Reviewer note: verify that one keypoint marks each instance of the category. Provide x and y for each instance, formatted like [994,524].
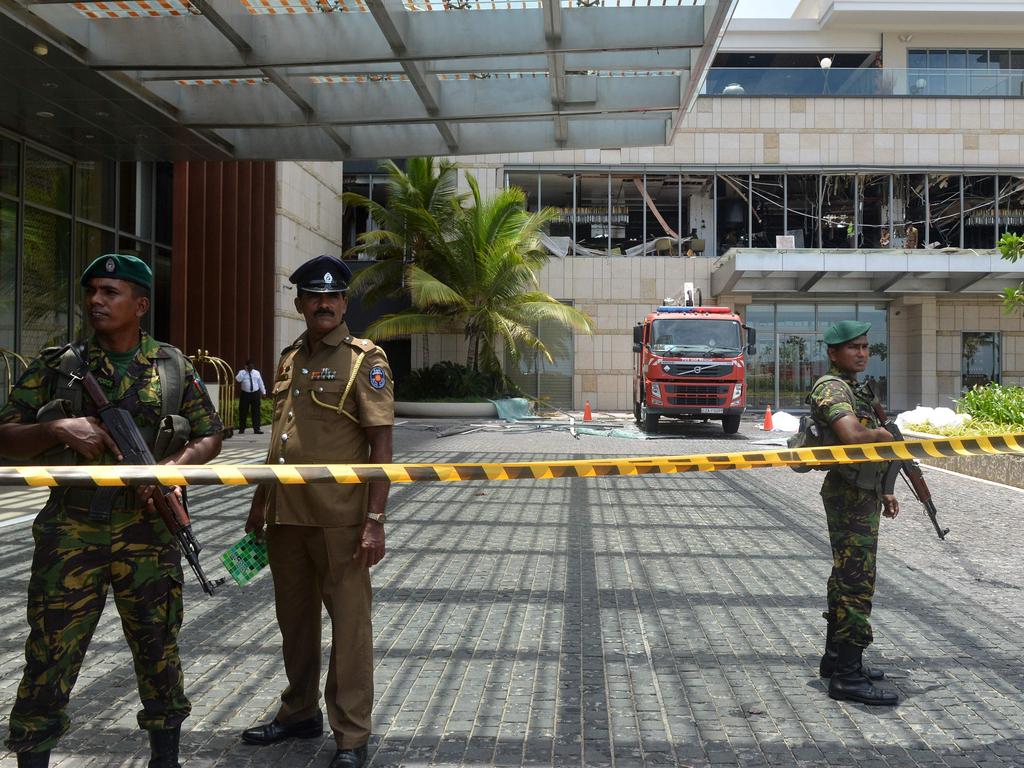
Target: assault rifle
[126,435]
[910,469]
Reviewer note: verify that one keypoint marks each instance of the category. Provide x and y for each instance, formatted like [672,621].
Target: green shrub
[971,428]
[452,381]
[994,403]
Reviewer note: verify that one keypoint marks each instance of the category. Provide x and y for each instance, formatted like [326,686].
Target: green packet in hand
[244,559]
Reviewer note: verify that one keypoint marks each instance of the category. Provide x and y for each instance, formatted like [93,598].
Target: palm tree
[482,283]
[418,216]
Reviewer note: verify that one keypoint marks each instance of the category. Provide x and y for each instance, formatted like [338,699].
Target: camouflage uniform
[77,559]
[853,504]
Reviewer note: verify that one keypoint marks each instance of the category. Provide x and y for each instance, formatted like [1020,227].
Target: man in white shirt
[250,387]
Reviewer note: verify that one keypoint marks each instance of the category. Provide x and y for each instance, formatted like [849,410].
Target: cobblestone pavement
[655,620]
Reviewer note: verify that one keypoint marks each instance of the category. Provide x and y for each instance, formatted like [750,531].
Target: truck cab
[690,363]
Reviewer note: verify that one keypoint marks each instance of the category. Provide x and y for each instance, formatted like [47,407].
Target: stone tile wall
[308,224]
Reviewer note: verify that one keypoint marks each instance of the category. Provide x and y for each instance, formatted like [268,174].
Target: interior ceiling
[347,79]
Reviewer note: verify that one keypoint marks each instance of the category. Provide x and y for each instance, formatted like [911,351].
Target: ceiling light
[90,136]
[49,85]
[40,49]
[101,113]
[45,114]
[825,63]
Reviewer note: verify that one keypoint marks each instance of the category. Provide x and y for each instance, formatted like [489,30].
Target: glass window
[943,227]
[804,210]
[549,381]
[768,203]
[136,199]
[1011,204]
[761,368]
[979,212]
[627,214]
[526,181]
[161,310]
[91,243]
[592,220]
[8,266]
[698,214]
[910,213]
[44,285]
[662,212]
[9,151]
[164,223]
[733,211]
[956,76]
[837,211]
[877,373]
[556,192]
[97,188]
[355,219]
[47,181]
[873,211]
[979,359]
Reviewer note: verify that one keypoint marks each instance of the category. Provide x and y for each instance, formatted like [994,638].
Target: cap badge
[328,278]
[110,266]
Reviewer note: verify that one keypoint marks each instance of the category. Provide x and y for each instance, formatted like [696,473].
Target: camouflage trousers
[853,515]
[76,560]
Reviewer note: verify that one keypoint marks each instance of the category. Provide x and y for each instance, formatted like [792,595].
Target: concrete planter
[428,410]
[1005,469]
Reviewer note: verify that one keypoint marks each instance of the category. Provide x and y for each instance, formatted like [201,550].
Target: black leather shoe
[848,682]
[41,759]
[828,667]
[273,732]
[163,747]
[241,431]
[349,758]
[831,656]
[257,431]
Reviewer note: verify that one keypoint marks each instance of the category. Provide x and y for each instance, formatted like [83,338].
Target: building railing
[864,82]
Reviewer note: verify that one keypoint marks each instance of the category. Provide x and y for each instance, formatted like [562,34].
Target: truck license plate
[712,410]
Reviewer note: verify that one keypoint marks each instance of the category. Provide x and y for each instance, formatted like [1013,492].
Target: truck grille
[697,394]
[704,370]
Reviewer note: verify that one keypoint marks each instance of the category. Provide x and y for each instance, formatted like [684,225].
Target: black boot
[34,759]
[163,747]
[829,658]
[848,682]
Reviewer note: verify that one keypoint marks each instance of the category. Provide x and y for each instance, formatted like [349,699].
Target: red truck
[690,363]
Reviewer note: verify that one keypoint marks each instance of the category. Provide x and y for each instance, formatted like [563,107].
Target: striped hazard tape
[301,474]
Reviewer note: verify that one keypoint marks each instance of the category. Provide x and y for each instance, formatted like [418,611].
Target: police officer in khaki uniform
[333,403]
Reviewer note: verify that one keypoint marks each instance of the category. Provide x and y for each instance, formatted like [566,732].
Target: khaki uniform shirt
[323,401]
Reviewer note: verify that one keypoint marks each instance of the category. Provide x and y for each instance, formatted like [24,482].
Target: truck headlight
[737,391]
[655,389]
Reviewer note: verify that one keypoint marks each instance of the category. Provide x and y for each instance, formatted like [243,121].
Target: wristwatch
[377,517]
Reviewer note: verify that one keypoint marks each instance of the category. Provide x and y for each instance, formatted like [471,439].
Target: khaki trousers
[313,567]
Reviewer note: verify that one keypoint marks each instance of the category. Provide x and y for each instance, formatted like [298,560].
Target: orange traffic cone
[767,419]
[587,416]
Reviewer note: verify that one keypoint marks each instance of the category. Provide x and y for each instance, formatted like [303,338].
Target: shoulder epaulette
[363,345]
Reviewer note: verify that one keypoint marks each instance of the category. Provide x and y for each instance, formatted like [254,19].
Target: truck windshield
[692,337]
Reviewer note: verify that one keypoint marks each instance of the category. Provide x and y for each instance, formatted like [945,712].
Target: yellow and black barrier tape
[301,474]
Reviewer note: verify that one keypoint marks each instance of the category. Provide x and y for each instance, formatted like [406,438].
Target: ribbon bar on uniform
[301,474]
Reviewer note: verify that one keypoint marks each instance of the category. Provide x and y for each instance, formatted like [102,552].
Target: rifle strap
[170,367]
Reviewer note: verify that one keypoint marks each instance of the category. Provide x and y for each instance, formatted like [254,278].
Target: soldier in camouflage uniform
[841,407]
[79,557]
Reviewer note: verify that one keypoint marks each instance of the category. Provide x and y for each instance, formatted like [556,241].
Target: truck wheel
[731,424]
[636,412]
[649,421]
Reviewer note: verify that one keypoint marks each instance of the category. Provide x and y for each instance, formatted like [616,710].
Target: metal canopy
[812,272]
[337,79]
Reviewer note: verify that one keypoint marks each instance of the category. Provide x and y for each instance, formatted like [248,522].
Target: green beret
[120,267]
[844,331]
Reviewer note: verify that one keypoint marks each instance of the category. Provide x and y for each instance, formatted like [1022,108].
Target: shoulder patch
[378,377]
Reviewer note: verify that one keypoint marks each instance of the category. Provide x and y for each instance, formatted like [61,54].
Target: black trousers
[248,402]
